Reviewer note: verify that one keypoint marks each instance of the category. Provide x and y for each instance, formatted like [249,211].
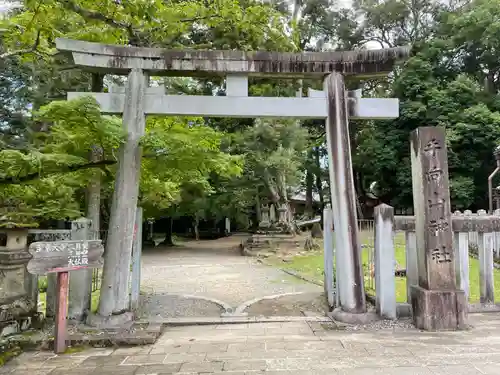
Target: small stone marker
[60,257]
[436,301]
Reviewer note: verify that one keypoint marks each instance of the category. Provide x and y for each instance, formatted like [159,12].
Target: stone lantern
[18,289]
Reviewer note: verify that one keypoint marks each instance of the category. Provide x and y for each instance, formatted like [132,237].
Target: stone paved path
[296,348]
[214,270]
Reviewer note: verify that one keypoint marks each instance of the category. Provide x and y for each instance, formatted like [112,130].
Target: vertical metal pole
[61,312]
[347,242]
[136,261]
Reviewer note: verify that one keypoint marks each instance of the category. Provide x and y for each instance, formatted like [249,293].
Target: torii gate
[332,104]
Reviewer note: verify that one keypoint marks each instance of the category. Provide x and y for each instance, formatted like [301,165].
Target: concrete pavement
[292,348]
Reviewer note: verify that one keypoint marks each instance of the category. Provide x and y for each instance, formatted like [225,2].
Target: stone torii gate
[332,104]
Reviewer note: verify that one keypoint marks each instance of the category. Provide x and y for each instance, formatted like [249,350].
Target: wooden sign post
[60,257]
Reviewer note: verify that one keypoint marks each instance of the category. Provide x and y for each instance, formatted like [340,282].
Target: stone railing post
[50,296]
[80,282]
[411,262]
[328,255]
[385,280]
[497,236]
[485,252]
[461,244]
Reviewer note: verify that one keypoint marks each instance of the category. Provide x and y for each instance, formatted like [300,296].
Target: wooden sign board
[64,256]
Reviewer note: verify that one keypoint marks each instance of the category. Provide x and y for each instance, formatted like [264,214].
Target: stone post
[328,255]
[343,197]
[497,236]
[461,244]
[436,301]
[411,262]
[117,257]
[385,279]
[50,295]
[485,253]
[80,282]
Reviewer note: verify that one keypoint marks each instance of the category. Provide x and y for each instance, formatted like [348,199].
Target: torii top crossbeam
[158,61]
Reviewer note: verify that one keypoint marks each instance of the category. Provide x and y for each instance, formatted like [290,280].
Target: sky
[4,5]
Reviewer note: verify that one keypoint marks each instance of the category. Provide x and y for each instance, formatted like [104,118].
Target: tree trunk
[168,241]
[196,229]
[309,193]
[258,212]
[319,178]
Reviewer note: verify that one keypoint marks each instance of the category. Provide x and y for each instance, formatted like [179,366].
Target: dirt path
[208,278]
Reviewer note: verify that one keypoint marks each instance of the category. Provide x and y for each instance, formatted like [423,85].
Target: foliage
[181,152]
[32,186]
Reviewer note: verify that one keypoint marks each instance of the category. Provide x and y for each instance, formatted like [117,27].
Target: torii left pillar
[347,242]
[114,301]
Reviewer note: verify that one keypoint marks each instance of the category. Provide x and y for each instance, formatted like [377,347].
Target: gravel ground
[214,270]
[295,305]
[172,306]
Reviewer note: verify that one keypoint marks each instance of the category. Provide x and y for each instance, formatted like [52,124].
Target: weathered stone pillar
[485,249]
[328,255]
[117,258]
[411,262]
[436,301]
[16,306]
[50,296]
[347,243]
[136,262]
[385,280]
[80,282]
[461,244]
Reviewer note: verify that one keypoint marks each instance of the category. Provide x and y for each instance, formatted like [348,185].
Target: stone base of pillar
[439,310]
[352,318]
[123,320]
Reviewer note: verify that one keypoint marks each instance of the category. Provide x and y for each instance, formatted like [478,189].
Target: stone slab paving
[209,269]
[295,348]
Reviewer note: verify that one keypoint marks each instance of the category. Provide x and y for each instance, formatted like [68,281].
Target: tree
[41,181]
[442,85]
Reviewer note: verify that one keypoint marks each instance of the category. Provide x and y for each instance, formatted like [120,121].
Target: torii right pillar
[352,300]
[437,303]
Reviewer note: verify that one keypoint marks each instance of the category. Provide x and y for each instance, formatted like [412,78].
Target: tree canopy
[211,168]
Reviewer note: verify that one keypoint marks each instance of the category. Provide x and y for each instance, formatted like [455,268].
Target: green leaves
[181,152]
[77,125]
[42,182]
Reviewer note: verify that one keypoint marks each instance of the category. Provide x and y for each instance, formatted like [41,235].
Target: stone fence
[475,234]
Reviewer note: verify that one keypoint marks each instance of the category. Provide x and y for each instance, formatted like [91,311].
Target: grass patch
[312,266]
